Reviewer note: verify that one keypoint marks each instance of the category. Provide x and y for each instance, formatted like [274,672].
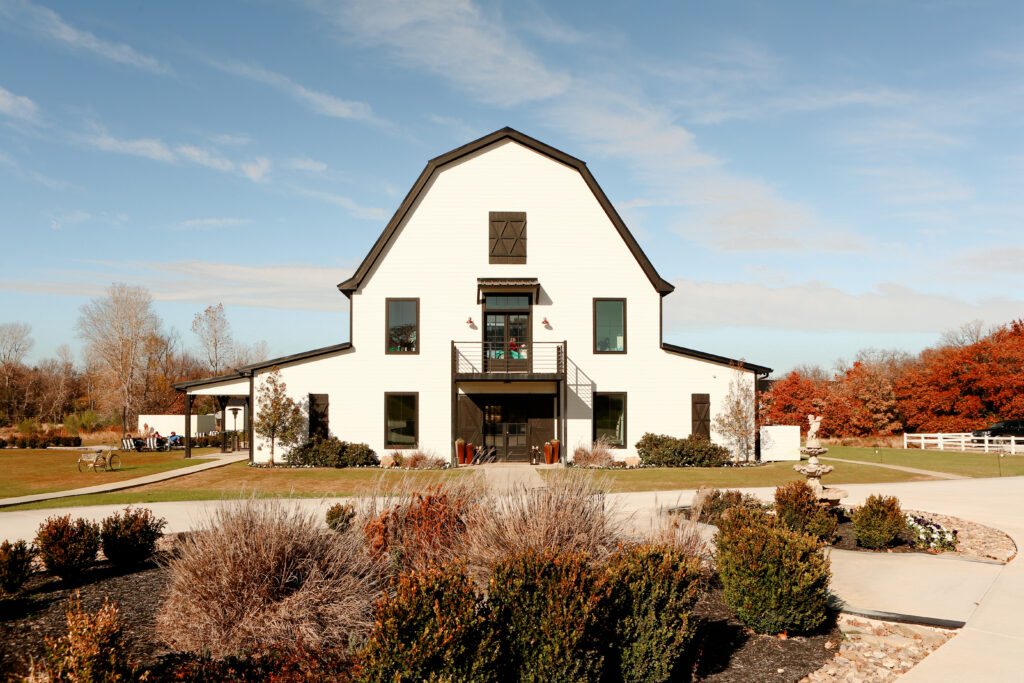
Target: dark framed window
[402,326]
[401,420]
[609,325]
[319,408]
[610,419]
[506,237]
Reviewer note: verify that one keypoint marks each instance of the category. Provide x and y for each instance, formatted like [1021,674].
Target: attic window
[507,237]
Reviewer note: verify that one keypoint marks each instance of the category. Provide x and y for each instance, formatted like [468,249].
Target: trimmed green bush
[331,452]
[660,450]
[653,589]
[878,522]
[130,538]
[773,578]
[67,548]
[551,612]
[797,508]
[434,628]
[714,502]
[15,566]
[340,516]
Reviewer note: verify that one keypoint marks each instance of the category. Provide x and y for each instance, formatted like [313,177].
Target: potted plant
[554,451]
[460,450]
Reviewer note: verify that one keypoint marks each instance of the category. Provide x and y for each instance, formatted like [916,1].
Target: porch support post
[251,405]
[188,425]
[451,440]
[222,403]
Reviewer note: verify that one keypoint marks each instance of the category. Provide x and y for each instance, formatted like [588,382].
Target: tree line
[128,366]
[969,380]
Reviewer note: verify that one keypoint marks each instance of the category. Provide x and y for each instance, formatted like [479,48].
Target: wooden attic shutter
[700,415]
[507,237]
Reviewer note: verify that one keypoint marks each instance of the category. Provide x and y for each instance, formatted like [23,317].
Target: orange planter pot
[554,452]
[460,452]
[547,454]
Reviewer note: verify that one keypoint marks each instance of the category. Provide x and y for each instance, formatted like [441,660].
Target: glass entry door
[507,342]
[507,429]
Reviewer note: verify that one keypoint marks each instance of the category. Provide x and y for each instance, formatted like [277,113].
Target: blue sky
[813,177]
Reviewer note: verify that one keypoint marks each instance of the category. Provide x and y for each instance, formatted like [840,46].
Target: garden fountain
[814,470]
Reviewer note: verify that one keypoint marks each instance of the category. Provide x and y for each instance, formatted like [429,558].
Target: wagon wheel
[82,465]
[114,462]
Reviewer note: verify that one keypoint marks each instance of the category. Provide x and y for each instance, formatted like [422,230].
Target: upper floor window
[402,333]
[609,325]
[507,237]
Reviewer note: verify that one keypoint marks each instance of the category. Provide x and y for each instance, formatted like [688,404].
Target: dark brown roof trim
[355,282]
[247,370]
[703,355]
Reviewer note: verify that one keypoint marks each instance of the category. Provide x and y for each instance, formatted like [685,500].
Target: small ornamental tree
[736,421]
[279,417]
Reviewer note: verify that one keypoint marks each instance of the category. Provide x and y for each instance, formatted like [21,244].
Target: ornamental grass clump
[264,573]
[67,548]
[797,508]
[434,627]
[15,566]
[130,538]
[773,578]
[551,610]
[878,522]
[653,589]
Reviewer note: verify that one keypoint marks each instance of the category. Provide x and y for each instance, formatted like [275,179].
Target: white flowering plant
[929,535]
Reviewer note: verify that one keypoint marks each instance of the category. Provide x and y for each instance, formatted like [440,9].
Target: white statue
[812,431]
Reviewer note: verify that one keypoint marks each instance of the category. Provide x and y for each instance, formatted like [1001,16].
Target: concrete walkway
[901,468]
[503,477]
[218,461]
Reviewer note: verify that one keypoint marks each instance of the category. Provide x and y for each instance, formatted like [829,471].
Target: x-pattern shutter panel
[700,414]
[507,237]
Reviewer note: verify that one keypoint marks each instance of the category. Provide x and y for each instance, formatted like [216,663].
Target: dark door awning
[506,285]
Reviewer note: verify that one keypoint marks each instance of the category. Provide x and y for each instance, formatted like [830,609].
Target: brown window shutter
[507,237]
[700,415]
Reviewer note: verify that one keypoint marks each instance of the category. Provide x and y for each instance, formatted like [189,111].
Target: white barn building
[505,303]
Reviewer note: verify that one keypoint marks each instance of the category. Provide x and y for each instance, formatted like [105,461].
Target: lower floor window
[401,420]
[610,419]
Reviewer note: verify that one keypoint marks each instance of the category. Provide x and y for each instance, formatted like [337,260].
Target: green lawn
[28,471]
[950,462]
[769,474]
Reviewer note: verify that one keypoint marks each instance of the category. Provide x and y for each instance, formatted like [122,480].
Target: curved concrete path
[217,461]
[901,468]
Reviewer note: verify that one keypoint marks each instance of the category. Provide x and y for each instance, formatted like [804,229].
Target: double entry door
[507,342]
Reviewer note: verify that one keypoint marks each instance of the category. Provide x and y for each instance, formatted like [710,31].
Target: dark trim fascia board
[714,358]
[247,370]
[355,282]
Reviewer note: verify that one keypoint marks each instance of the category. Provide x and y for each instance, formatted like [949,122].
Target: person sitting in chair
[174,439]
[513,348]
[137,442]
[161,442]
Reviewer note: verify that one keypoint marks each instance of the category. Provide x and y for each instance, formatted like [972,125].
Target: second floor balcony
[508,360]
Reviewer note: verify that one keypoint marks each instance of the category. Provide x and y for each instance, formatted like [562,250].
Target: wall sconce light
[545,323]
[470,321]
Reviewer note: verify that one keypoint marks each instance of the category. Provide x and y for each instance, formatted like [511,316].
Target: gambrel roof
[434,165]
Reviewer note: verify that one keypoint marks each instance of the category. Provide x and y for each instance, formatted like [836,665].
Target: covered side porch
[231,394]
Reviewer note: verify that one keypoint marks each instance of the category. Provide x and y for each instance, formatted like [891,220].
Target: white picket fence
[966,442]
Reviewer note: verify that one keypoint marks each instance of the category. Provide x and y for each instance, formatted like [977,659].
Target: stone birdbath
[814,470]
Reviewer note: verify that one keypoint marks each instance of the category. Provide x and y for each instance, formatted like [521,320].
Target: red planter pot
[547,454]
[554,452]
[460,452]
[470,452]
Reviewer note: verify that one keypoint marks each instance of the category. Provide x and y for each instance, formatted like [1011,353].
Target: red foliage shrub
[424,530]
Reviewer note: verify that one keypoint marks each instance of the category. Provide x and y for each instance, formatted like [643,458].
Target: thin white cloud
[212,223]
[52,183]
[150,148]
[204,157]
[47,23]
[319,102]
[18,106]
[307,164]
[357,210]
[453,39]
[256,170]
[230,140]
[902,185]
[815,307]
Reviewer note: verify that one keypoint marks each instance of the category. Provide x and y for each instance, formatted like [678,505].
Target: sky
[814,178]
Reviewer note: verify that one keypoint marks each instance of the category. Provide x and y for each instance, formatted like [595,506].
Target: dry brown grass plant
[598,455]
[572,515]
[265,573]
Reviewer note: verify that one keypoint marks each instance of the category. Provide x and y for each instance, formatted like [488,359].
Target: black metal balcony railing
[502,358]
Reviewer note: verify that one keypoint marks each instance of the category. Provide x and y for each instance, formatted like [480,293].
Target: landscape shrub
[339,517]
[660,450]
[300,583]
[598,455]
[21,442]
[570,514]
[773,578]
[94,649]
[28,427]
[653,589]
[711,503]
[434,627]
[130,538]
[293,664]
[33,442]
[15,566]
[797,508]
[551,612]
[419,529]
[331,452]
[67,548]
[3,443]
[878,522]
[421,460]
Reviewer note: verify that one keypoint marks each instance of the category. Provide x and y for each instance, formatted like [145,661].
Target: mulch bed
[846,539]
[727,651]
